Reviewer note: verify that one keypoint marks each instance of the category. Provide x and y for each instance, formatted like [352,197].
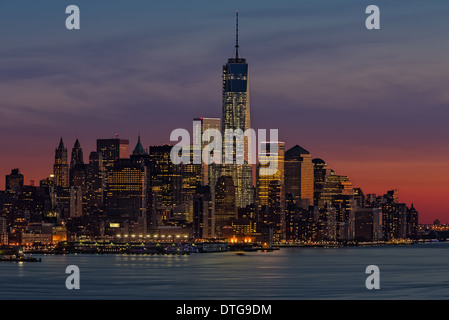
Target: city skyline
[33,182]
[151,194]
[362,143]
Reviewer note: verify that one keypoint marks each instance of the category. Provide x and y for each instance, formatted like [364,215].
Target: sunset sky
[373,104]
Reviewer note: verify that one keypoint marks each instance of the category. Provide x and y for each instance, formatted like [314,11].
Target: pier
[15,254]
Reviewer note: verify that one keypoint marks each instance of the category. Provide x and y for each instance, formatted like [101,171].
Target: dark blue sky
[373,104]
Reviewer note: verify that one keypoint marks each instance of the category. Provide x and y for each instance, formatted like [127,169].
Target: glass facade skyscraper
[125,193]
[204,136]
[273,165]
[236,117]
[299,176]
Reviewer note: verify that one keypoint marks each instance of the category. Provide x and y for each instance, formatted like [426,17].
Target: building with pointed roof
[61,167]
[77,155]
[139,149]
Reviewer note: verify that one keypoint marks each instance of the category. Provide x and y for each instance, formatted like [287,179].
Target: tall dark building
[203,220]
[394,216]
[14,182]
[412,222]
[32,202]
[276,208]
[77,155]
[77,174]
[61,167]
[77,168]
[367,224]
[112,149]
[225,205]
[95,182]
[140,154]
[165,179]
[14,185]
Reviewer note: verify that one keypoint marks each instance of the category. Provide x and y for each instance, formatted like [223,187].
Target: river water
[419,271]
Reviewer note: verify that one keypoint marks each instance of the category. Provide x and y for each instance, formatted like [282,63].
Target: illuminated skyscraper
[191,179]
[338,194]
[334,188]
[206,124]
[125,194]
[61,167]
[270,187]
[299,178]
[3,231]
[320,172]
[235,119]
[271,168]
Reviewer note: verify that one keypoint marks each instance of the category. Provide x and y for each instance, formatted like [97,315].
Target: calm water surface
[406,272]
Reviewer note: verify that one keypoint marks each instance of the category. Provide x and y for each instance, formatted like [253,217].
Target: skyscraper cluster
[143,195]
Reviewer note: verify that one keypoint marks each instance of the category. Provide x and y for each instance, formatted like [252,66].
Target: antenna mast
[237,34]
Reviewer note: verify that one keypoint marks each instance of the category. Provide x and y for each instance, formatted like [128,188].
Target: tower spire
[61,144]
[236,34]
